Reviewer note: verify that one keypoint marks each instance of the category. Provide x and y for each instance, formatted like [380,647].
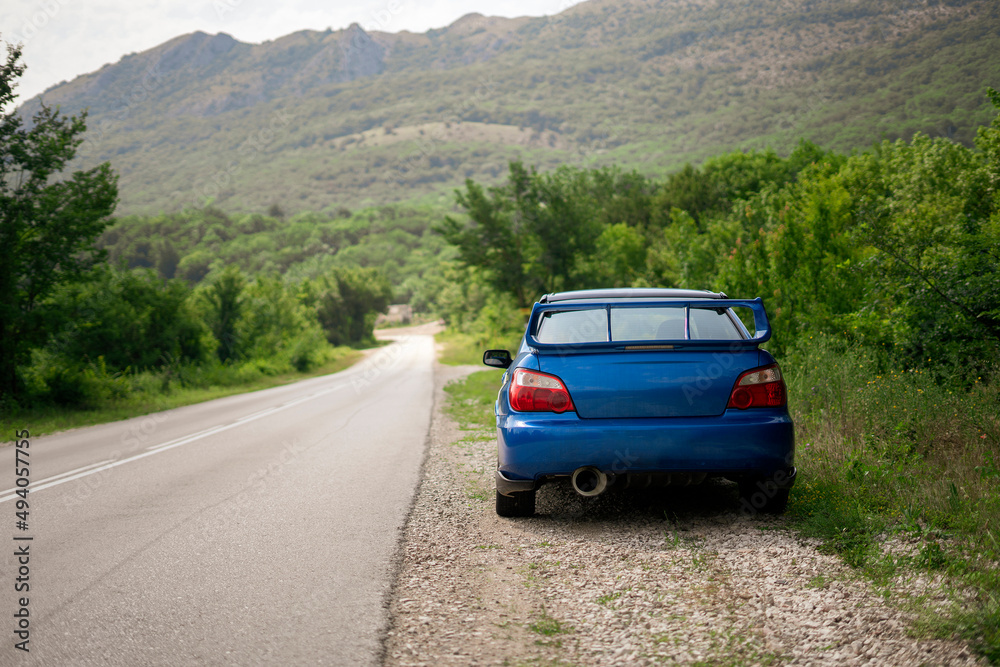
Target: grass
[50,419]
[463,348]
[459,349]
[474,488]
[548,626]
[607,599]
[471,403]
[899,477]
[674,540]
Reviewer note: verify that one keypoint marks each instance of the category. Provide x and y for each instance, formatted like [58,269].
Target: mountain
[321,120]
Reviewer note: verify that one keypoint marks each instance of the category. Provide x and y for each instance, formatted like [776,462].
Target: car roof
[630,293]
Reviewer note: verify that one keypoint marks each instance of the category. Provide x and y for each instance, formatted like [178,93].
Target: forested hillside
[318,120]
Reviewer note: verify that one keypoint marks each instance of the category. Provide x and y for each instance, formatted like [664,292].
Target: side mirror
[497,358]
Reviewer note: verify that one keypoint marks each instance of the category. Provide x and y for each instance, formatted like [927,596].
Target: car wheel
[758,495]
[521,503]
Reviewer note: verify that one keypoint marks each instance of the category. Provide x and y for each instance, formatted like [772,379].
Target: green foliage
[724,180]
[538,232]
[207,241]
[55,379]
[130,319]
[347,300]
[618,258]
[623,230]
[684,256]
[118,396]
[131,322]
[48,223]
[988,141]
[897,245]
[494,239]
[276,328]
[794,248]
[898,473]
[224,297]
[926,208]
[471,399]
[498,319]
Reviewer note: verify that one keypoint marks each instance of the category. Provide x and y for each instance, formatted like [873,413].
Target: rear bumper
[739,443]
[507,486]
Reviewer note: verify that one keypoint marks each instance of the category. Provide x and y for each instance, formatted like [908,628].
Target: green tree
[346,302]
[276,327]
[691,190]
[528,235]
[48,223]
[225,303]
[562,225]
[928,208]
[167,259]
[129,317]
[684,255]
[988,141]
[492,238]
[794,249]
[724,180]
[619,258]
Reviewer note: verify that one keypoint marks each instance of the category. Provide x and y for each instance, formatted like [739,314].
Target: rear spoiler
[762,328]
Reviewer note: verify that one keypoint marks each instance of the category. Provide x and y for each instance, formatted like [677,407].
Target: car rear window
[647,323]
[573,326]
[653,323]
[712,324]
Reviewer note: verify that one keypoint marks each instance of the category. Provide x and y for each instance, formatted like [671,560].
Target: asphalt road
[254,529]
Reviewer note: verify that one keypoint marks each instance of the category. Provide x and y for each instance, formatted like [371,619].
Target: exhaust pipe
[589,481]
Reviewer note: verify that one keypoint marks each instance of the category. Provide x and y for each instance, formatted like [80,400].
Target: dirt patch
[429,134]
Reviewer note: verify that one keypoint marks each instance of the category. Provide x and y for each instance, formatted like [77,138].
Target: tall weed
[886,449]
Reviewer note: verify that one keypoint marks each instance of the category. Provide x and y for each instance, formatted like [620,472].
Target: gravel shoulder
[665,576]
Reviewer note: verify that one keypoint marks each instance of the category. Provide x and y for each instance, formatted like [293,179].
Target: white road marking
[101,466]
[54,477]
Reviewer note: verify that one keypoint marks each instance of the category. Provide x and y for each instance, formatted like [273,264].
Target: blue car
[636,387]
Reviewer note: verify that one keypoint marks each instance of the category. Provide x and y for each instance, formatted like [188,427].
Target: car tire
[521,503]
[757,495]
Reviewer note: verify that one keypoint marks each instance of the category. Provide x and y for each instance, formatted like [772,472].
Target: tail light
[532,391]
[759,388]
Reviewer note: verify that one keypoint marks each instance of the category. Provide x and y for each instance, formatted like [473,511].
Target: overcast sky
[65,38]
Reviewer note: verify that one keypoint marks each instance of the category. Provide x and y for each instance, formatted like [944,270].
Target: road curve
[254,529]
